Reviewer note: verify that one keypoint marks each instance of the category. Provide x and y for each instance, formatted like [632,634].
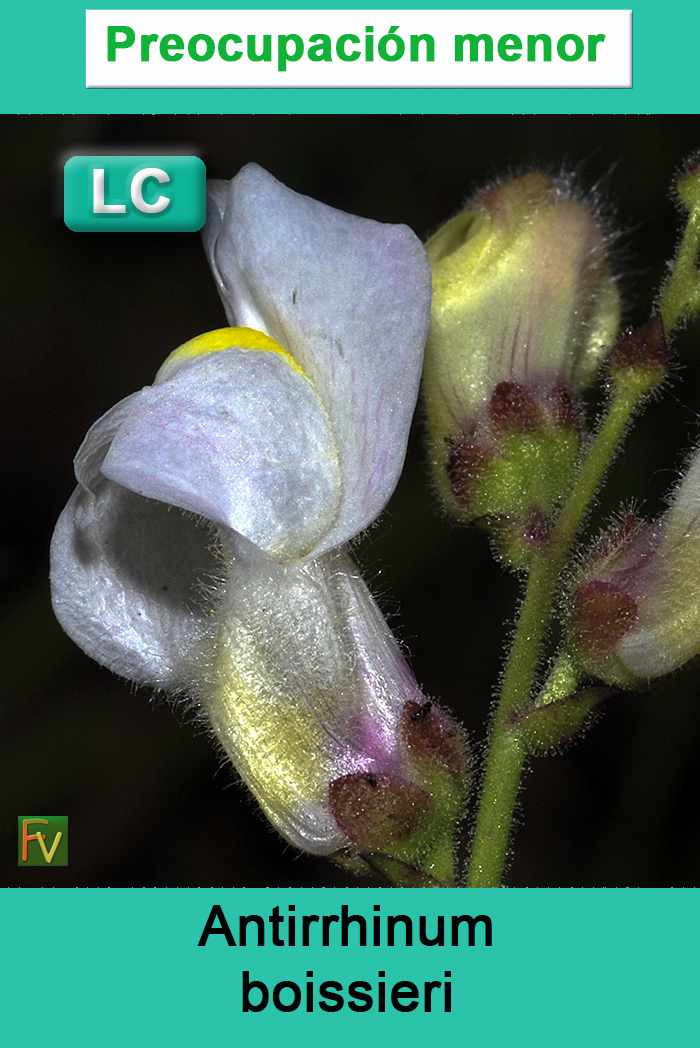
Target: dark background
[88,318]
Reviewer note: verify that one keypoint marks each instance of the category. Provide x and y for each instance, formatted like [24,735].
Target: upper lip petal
[349,298]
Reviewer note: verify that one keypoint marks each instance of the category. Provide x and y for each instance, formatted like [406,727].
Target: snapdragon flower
[202,551]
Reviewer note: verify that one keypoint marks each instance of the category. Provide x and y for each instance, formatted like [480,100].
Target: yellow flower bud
[522,294]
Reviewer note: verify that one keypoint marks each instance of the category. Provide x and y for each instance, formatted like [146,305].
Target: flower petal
[306,683]
[128,575]
[349,298]
[241,438]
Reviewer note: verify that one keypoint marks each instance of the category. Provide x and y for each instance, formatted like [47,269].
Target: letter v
[48,855]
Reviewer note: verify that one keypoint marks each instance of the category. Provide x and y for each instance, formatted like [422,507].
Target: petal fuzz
[238,437]
[128,583]
[306,684]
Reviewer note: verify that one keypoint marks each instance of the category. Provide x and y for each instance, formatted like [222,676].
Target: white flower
[200,552]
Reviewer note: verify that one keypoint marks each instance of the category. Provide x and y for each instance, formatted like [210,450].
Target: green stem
[507,755]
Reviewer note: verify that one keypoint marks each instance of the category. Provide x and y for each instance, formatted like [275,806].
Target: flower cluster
[205,550]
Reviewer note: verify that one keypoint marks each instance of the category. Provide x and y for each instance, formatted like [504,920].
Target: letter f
[27,837]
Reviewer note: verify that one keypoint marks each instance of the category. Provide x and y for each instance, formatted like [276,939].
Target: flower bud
[681,295]
[688,184]
[524,306]
[634,615]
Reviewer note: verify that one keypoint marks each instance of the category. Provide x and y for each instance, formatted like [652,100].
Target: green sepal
[515,542]
[400,874]
[639,362]
[385,815]
[544,728]
[436,747]
[532,473]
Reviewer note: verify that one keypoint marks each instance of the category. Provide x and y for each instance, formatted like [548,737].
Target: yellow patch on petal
[226,338]
[271,734]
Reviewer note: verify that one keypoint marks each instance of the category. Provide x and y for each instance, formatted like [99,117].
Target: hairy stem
[507,755]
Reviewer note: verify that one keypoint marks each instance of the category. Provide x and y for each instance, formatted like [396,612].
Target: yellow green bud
[524,308]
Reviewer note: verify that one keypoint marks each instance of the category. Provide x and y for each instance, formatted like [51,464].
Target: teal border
[43,71]
[567,966]
[573,967]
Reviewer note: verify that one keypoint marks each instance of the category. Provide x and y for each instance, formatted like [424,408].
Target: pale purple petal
[129,579]
[349,298]
[240,438]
